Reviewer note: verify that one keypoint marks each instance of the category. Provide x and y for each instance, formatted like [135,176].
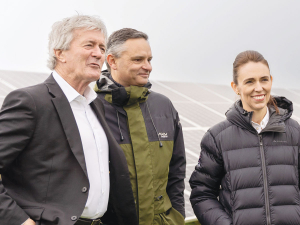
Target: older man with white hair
[55,145]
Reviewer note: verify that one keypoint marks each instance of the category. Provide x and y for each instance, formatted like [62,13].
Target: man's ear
[111,60]
[60,55]
[235,88]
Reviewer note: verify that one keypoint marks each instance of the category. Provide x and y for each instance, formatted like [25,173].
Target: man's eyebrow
[265,77]
[141,56]
[93,42]
[89,40]
[138,56]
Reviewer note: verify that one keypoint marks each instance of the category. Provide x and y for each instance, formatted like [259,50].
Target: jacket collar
[241,118]
[71,94]
[120,95]
[263,123]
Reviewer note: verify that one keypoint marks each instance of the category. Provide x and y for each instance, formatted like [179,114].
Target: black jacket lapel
[67,120]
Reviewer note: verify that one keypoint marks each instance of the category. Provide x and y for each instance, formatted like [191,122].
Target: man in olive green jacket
[147,127]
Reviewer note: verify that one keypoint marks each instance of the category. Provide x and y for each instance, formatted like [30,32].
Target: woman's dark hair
[251,56]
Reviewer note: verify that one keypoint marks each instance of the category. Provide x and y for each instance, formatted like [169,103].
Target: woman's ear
[235,88]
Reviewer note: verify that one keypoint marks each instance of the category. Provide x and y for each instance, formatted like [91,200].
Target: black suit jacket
[42,163]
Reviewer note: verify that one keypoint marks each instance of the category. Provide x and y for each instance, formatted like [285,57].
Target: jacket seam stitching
[50,173]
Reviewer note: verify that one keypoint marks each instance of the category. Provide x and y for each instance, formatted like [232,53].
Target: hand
[29,222]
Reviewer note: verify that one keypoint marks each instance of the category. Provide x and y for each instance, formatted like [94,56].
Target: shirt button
[84,189]
[74,218]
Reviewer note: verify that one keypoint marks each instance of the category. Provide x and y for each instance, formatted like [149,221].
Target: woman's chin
[259,107]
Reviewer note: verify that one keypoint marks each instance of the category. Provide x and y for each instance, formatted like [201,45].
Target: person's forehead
[138,45]
[253,68]
[83,33]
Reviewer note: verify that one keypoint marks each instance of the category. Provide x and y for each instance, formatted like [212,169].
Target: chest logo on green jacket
[163,135]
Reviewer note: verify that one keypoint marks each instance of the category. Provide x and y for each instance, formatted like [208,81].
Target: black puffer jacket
[254,175]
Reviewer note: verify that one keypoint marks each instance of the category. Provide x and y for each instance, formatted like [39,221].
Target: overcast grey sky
[191,40]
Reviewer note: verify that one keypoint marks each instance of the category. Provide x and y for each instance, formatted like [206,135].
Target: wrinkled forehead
[85,33]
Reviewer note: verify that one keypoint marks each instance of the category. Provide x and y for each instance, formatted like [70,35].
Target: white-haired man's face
[84,59]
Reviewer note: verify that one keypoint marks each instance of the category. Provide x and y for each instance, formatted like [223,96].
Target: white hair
[62,33]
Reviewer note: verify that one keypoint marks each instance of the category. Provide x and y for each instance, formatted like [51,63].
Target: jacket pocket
[161,202]
[35,213]
[170,217]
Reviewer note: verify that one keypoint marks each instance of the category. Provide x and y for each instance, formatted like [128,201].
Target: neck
[117,79]
[78,84]
[258,116]
[115,82]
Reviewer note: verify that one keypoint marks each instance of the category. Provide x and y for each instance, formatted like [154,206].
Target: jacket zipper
[263,160]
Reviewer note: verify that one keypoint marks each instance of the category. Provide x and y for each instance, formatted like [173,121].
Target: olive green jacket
[147,127]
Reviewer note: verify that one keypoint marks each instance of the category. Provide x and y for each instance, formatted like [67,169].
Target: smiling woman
[253,82]
[252,156]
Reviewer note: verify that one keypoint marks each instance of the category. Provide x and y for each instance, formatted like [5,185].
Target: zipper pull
[160,144]
[260,140]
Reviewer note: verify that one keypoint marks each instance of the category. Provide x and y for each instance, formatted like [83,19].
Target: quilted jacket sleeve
[205,183]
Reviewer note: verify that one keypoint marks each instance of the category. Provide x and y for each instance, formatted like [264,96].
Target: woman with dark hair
[247,173]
